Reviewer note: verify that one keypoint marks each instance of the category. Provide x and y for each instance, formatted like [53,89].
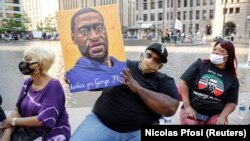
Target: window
[198,2]
[171,16]
[160,4]
[167,16]
[211,14]
[231,10]
[185,3]
[160,17]
[145,6]
[179,3]
[145,17]
[197,15]
[179,15]
[171,3]
[190,15]
[204,2]
[191,3]
[167,3]
[197,27]
[225,10]
[183,28]
[184,15]
[152,16]
[204,14]
[211,2]
[237,10]
[152,5]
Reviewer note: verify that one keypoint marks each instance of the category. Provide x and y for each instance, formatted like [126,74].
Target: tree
[14,24]
[49,24]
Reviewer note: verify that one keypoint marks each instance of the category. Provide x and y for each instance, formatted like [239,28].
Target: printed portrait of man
[95,68]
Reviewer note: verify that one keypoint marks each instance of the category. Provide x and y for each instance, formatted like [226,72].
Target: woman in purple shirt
[41,104]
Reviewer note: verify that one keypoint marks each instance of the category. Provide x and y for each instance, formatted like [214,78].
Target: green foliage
[14,24]
[49,24]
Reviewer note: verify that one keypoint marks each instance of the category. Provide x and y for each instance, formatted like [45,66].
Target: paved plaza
[80,104]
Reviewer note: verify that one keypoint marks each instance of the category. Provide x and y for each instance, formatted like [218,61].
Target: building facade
[126,8]
[9,7]
[202,17]
[37,10]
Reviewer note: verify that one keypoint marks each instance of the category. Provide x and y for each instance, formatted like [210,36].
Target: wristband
[13,121]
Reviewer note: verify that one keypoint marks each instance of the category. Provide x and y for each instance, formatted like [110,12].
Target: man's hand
[129,81]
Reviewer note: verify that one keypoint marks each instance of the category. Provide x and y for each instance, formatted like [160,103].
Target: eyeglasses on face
[97,27]
[155,58]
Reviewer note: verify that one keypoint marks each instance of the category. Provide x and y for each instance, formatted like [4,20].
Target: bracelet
[13,121]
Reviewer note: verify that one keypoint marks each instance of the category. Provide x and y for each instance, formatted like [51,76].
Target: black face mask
[25,69]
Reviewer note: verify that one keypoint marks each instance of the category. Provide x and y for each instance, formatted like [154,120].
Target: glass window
[145,17]
[152,5]
[184,15]
[167,16]
[204,2]
[179,15]
[160,17]
[211,2]
[197,15]
[231,10]
[211,14]
[185,3]
[191,3]
[152,16]
[225,10]
[190,15]
[179,3]
[204,14]
[160,4]
[237,10]
[145,6]
[198,2]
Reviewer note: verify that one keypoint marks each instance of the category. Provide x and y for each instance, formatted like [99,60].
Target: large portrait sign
[92,46]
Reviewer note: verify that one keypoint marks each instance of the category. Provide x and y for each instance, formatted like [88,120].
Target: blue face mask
[25,69]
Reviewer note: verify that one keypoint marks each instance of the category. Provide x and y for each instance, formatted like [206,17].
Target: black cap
[160,48]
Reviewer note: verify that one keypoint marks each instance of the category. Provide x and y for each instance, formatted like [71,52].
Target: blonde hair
[43,55]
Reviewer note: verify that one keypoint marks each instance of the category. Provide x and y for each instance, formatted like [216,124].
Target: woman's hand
[190,112]
[7,123]
[221,120]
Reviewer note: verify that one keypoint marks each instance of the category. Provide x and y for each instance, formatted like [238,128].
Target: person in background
[210,87]
[146,95]
[41,105]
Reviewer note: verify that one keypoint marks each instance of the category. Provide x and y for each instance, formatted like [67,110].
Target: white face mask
[216,59]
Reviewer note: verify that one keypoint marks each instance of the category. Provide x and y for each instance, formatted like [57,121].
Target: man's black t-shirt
[210,87]
[122,110]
